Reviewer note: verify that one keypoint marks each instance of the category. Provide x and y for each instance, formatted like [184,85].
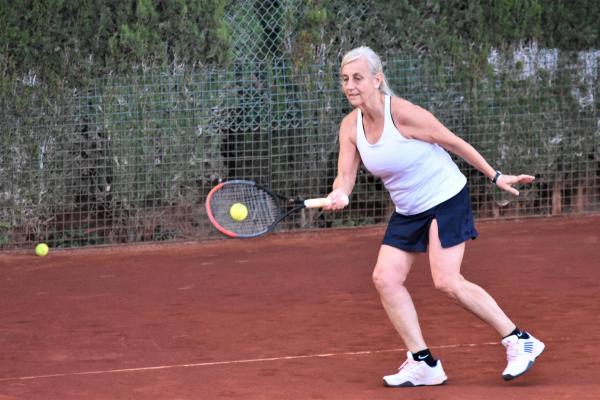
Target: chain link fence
[258,28]
[131,159]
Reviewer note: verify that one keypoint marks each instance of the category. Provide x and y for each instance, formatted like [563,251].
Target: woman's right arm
[348,163]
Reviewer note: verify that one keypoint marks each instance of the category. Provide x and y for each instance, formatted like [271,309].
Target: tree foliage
[69,40]
[449,30]
[93,151]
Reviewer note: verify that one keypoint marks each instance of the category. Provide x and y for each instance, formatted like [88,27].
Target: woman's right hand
[339,200]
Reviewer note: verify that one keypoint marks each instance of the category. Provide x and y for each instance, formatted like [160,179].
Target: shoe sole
[511,377]
[410,384]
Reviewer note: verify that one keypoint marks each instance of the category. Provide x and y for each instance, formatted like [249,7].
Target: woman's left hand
[506,182]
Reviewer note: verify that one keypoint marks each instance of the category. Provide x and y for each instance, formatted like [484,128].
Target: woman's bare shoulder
[402,106]
[348,126]
[349,121]
[406,112]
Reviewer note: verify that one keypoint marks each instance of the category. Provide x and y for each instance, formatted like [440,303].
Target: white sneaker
[520,353]
[416,373]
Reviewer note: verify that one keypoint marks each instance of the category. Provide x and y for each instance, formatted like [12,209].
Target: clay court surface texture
[293,316]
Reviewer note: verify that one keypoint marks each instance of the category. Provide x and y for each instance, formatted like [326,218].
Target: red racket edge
[211,217]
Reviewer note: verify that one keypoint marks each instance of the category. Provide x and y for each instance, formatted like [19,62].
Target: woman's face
[358,82]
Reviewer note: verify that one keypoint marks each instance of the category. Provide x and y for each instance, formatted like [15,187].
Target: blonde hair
[372,60]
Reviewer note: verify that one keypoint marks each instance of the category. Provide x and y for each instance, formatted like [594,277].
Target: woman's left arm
[418,123]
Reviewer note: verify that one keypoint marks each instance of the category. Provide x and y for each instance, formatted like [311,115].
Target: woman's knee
[379,278]
[387,277]
[391,269]
[449,285]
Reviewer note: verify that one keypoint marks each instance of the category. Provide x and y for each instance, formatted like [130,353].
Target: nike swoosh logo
[421,357]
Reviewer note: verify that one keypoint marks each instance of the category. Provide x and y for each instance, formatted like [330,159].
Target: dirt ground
[293,316]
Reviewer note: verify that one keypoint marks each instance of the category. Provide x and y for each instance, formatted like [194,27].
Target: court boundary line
[233,362]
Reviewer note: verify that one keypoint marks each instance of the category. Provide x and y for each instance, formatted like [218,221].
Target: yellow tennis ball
[41,249]
[238,212]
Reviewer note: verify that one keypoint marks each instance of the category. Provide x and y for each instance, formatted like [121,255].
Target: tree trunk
[581,197]
[557,198]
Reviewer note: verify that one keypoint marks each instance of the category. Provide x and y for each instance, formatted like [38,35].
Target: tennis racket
[261,209]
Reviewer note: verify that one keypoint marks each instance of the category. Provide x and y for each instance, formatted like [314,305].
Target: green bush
[67,42]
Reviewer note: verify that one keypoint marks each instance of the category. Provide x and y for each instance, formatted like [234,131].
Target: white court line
[230,362]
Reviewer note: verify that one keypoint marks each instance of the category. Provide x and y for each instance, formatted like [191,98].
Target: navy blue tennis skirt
[455,224]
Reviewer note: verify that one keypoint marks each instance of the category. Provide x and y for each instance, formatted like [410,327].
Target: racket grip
[323,202]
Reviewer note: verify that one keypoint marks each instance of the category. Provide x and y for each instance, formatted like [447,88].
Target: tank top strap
[360,131]
[359,123]
[389,122]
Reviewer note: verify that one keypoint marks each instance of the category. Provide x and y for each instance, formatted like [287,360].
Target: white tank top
[418,175]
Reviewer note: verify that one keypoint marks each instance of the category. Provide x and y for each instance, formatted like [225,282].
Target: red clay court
[293,316]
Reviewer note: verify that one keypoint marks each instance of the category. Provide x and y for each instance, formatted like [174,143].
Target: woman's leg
[420,368]
[389,275]
[522,348]
[445,270]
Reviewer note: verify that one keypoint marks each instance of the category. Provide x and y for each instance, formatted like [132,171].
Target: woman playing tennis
[406,147]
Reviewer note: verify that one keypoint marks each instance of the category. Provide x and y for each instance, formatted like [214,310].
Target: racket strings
[263,209]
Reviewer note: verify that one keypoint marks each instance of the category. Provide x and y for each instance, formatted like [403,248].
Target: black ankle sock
[520,334]
[425,355]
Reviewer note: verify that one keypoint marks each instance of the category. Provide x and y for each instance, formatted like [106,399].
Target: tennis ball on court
[41,249]
[238,212]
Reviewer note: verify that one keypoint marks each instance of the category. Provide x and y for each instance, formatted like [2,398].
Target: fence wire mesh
[260,28]
[131,159]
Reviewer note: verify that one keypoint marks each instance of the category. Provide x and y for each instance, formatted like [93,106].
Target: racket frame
[282,201]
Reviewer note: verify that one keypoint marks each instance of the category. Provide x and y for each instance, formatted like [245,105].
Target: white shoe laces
[513,350]
[409,367]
